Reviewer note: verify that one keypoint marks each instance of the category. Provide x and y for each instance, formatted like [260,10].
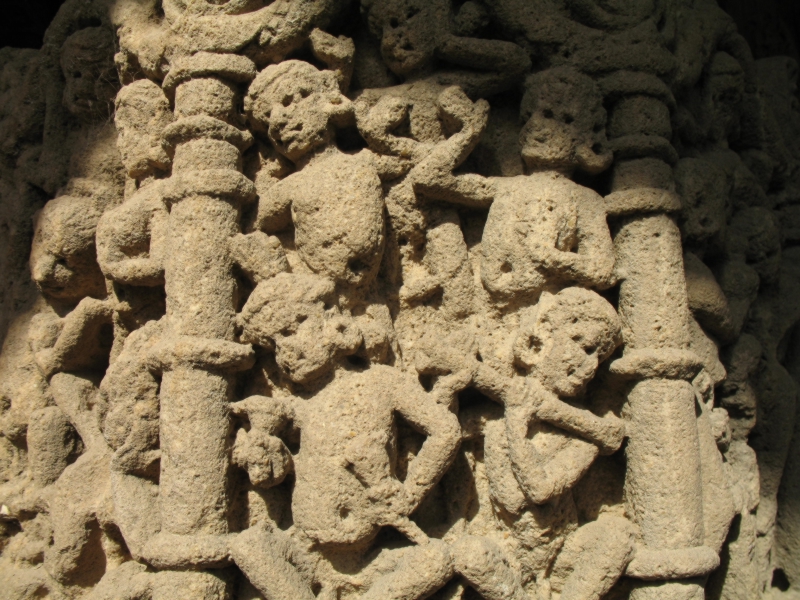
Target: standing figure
[346,486]
[333,199]
[544,231]
[429,47]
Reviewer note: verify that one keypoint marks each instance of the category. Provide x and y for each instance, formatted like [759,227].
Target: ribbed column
[198,354]
[663,483]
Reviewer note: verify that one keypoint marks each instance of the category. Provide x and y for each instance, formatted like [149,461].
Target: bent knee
[474,555]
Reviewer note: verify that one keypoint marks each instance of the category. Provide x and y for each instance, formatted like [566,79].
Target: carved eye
[394,23]
[547,113]
[568,119]
[287,100]
[412,12]
[301,318]
[285,332]
[304,93]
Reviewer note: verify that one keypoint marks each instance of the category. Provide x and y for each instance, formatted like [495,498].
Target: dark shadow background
[23,22]
[770,26]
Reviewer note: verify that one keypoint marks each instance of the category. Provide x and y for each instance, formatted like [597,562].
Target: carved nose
[42,266]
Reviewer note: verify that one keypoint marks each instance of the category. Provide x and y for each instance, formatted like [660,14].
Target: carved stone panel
[398,299]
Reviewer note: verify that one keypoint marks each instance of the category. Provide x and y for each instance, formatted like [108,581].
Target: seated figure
[524,539]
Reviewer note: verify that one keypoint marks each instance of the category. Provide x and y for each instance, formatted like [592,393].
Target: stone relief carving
[398,300]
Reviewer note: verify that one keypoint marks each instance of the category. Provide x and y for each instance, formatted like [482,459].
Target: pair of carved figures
[360,316]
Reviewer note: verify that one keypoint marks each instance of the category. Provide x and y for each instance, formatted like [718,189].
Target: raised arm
[493,65]
[606,433]
[273,213]
[130,238]
[337,53]
[544,475]
[593,263]
[443,433]
[434,176]
[79,339]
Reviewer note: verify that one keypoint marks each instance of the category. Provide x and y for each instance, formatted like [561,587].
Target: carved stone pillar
[199,354]
[663,483]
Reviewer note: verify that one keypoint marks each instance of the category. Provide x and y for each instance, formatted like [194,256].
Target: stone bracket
[203,353]
[657,363]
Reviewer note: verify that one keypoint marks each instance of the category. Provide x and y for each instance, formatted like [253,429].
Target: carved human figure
[131,237]
[345,485]
[536,452]
[430,46]
[333,199]
[84,145]
[66,328]
[68,332]
[416,36]
[544,230]
[63,268]
[427,252]
[91,80]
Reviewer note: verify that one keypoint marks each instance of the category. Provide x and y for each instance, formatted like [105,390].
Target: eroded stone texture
[398,299]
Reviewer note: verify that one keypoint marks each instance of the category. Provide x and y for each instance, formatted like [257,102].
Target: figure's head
[704,190]
[754,234]
[564,123]
[571,333]
[408,30]
[297,106]
[724,92]
[297,315]
[87,61]
[63,258]
[141,116]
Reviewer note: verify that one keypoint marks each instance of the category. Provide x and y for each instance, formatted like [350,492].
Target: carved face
[141,116]
[63,258]
[88,67]
[293,103]
[564,123]
[408,30]
[574,331]
[298,122]
[295,314]
[572,359]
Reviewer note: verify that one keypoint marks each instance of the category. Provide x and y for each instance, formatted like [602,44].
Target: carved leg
[264,559]
[481,563]
[423,570]
[593,558]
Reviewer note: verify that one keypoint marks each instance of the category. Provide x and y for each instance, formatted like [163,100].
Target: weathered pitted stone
[398,299]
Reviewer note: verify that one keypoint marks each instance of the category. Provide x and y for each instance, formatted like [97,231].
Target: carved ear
[594,159]
[341,110]
[344,334]
[530,346]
